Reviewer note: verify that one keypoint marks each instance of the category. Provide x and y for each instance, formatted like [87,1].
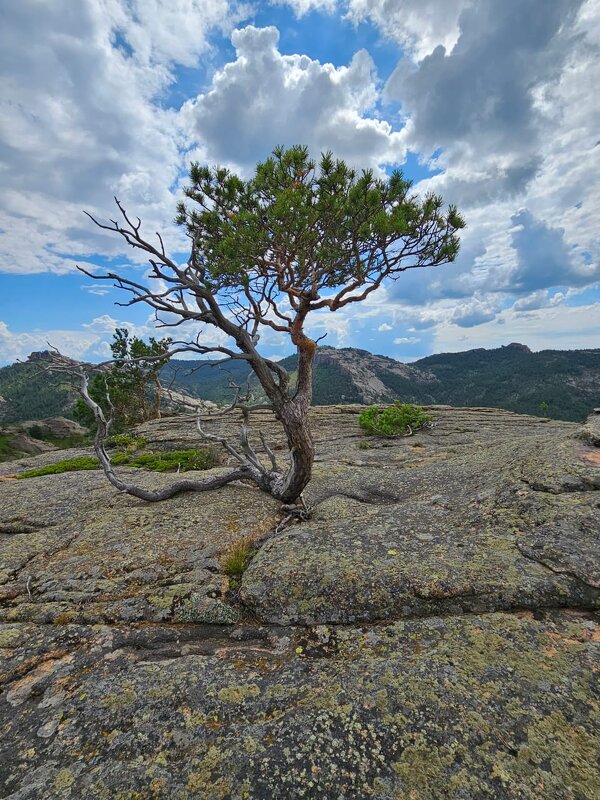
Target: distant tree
[130,390]
[265,253]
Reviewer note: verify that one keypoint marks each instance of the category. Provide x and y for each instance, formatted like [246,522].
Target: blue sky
[491,104]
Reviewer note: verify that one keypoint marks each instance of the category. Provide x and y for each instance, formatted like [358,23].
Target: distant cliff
[563,384]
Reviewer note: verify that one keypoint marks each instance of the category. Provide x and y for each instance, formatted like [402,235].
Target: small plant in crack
[237,557]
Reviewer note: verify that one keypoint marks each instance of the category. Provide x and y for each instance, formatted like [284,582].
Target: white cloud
[264,98]
[406,340]
[81,90]
[17,346]
[417,25]
[509,96]
[538,299]
[562,327]
[302,7]
[513,106]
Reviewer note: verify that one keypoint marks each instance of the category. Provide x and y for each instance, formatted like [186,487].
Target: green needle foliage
[312,228]
[132,383]
[397,420]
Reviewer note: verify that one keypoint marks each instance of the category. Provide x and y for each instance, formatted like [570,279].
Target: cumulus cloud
[562,327]
[418,25]
[501,96]
[513,109]
[265,98]
[302,7]
[538,299]
[478,101]
[543,258]
[81,85]
[474,312]
[18,345]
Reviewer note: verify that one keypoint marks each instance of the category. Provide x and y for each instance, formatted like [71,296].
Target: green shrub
[6,451]
[68,465]
[397,420]
[36,432]
[125,440]
[183,460]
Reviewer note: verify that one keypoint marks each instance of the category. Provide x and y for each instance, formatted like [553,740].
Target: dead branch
[65,366]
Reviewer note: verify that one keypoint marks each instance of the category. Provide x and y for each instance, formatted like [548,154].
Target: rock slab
[429,633]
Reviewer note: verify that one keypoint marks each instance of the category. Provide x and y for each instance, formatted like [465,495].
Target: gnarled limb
[102,428]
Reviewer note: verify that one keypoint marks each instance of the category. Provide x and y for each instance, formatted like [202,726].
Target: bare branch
[62,365]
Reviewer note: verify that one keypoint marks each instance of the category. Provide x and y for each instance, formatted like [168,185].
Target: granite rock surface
[430,632]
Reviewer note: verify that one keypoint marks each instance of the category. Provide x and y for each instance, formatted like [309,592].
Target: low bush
[182,460]
[126,441]
[6,451]
[68,465]
[401,419]
[36,432]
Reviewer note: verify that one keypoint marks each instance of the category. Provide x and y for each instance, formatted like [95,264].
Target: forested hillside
[562,384]
[30,392]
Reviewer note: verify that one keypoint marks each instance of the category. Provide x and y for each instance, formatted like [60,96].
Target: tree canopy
[130,389]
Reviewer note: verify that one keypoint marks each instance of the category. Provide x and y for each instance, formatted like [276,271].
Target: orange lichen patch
[22,689]
[592,457]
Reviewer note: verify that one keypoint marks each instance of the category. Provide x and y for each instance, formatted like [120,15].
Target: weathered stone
[73,549]
[439,522]
[132,667]
[497,706]
[590,432]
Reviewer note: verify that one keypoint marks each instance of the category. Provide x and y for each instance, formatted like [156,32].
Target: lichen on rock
[428,633]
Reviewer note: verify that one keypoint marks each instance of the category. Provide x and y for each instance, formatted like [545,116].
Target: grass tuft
[237,557]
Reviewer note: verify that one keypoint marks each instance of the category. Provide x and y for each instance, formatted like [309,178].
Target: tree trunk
[293,414]
[157,393]
[294,418]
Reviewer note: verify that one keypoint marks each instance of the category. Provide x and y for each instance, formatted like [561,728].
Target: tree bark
[293,414]
[157,393]
[294,418]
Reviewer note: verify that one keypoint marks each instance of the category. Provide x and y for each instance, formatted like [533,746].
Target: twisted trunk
[294,418]
[293,414]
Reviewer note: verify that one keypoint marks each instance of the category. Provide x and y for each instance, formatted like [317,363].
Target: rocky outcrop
[59,427]
[428,633]
[22,443]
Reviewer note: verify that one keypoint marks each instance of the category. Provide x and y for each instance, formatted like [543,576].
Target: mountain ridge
[562,384]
